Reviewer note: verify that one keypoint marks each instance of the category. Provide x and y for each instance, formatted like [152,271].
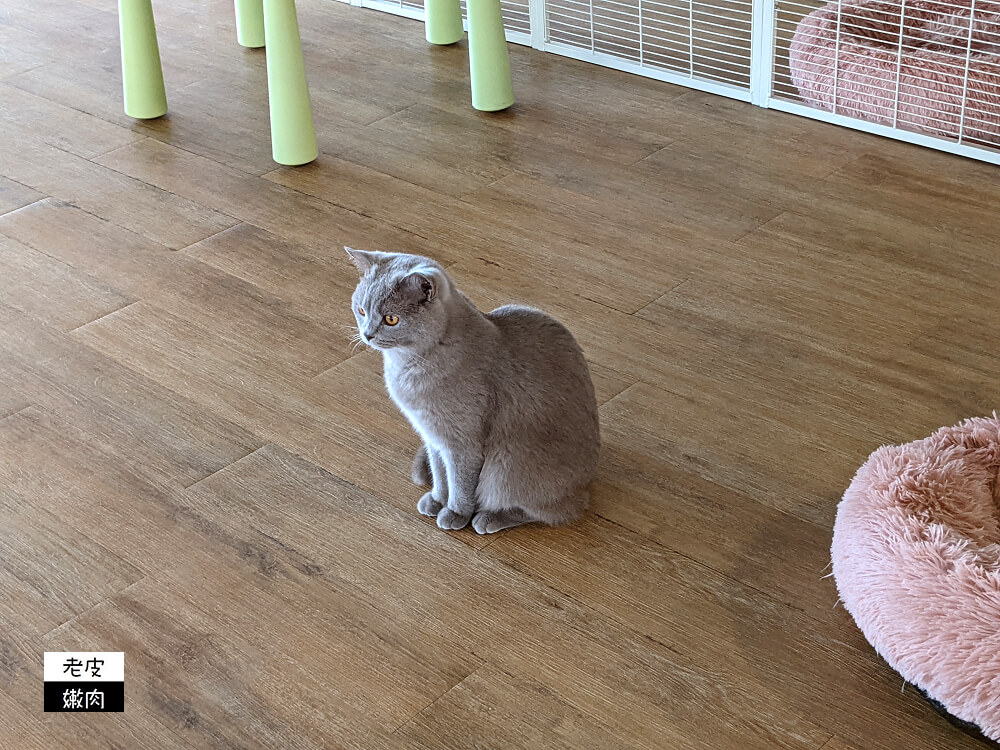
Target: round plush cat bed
[916,557]
[847,57]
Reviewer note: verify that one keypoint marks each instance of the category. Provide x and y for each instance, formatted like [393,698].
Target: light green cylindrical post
[142,76]
[443,21]
[250,23]
[489,63]
[293,138]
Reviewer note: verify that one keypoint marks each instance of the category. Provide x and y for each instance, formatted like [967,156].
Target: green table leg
[489,63]
[293,138]
[443,21]
[142,76]
[250,23]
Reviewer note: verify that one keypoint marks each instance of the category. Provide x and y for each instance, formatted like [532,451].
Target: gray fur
[422,468]
[503,400]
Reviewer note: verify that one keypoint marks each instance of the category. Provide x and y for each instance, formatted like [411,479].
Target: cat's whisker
[356,340]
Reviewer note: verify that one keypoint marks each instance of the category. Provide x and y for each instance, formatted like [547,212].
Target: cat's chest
[411,386]
[439,399]
[415,396]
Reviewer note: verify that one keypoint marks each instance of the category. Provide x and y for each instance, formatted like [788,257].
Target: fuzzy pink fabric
[916,557]
[858,68]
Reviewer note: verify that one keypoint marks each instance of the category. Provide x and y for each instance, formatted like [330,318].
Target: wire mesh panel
[915,65]
[515,15]
[925,71]
[699,39]
[788,14]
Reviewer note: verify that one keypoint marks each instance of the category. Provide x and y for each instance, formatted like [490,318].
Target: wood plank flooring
[198,470]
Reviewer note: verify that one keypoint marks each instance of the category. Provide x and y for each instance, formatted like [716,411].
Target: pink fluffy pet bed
[849,62]
[916,557]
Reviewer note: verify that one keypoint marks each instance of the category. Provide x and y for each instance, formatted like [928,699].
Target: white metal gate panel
[923,71]
[515,19]
[693,42]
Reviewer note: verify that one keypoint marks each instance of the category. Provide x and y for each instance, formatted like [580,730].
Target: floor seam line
[439,697]
[102,317]
[245,456]
[105,600]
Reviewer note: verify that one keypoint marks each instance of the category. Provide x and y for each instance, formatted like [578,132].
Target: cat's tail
[421,473]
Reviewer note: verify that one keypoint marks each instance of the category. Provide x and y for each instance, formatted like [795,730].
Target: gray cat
[503,400]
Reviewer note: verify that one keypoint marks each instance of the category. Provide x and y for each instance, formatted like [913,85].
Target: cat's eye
[361,311]
[391,319]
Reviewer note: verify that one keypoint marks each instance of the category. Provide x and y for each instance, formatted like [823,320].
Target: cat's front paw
[428,505]
[449,520]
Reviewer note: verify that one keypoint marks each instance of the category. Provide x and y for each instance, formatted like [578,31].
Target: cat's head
[400,300]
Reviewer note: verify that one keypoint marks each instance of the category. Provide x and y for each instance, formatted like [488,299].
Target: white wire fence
[925,71]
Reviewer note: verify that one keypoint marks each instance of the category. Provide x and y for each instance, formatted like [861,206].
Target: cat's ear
[363,259]
[427,284]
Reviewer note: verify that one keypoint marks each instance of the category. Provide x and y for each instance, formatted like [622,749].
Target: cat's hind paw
[428,505]
[449,520]
[490,522]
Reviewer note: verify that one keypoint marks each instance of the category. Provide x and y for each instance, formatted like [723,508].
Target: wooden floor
[196,470]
